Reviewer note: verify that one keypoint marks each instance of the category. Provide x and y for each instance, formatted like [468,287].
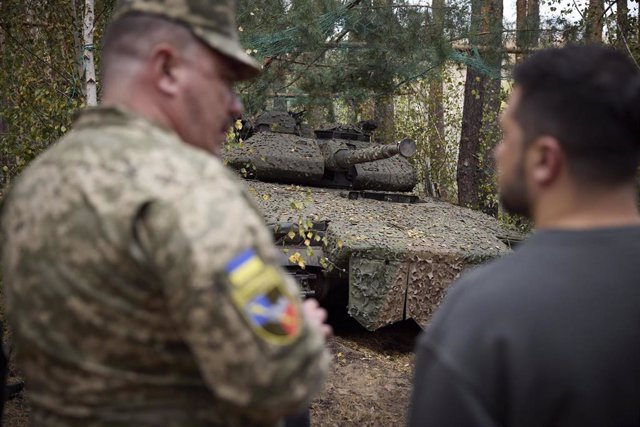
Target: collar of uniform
[114,116]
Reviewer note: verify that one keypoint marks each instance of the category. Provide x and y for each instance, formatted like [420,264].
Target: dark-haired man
[143,288]
[550,335]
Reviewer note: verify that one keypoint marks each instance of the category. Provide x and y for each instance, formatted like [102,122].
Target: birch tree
[87,54]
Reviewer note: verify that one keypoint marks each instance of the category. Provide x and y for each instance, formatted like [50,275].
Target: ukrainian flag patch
[259,292]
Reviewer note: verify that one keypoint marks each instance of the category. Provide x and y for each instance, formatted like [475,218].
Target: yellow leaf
[307,242]
[297,259]
[265,197]
[309,235]
[339,243]
[324,263]
[291,234]
[238,124]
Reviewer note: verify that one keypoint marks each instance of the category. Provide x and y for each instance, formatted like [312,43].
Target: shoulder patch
[259,292]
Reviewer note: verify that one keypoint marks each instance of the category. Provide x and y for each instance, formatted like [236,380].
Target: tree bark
[521,27]
[594,21]
[384,111]
[385,118]
[533,22]
[486,30]
[468,160]
[89,64]
[622,23]
[527,27]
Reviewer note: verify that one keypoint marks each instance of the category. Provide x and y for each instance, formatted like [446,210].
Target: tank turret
[341,158]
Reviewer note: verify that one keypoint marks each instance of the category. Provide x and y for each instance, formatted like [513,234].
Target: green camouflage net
[351,49]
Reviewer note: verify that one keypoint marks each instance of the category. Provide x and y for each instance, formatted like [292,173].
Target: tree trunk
[89,64]
[622,22]
[476,141]
[594,21]
[527,26]
[533,22]
[385,118]
[521,27]
[384,111]
[490,136]
[468,160]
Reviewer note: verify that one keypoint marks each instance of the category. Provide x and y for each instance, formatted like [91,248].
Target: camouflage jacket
[143,289]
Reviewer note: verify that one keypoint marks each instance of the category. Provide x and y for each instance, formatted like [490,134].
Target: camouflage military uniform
[142,287]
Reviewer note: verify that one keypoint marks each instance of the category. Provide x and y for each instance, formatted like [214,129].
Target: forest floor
[369,383]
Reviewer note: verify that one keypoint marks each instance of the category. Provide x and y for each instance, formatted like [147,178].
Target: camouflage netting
[351,49]
[399,257]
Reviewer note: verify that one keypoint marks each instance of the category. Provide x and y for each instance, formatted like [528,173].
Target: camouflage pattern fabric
[128,260]
[212,21]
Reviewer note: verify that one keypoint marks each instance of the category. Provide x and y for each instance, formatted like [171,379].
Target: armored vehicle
[342,209]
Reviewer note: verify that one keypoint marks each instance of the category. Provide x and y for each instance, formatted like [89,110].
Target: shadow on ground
[370,380]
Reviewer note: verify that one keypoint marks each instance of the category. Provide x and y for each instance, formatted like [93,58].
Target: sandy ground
[369,384]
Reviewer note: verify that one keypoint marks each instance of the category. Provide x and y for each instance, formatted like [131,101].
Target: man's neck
[131,98]
[591,208]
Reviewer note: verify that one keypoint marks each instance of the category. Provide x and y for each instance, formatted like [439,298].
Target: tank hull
[395,258]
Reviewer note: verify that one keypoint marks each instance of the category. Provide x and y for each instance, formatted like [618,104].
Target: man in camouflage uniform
[142,286]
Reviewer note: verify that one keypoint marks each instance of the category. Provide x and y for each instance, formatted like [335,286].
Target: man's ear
[547,160]
[163,68]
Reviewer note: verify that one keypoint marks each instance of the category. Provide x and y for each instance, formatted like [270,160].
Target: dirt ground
[369,384]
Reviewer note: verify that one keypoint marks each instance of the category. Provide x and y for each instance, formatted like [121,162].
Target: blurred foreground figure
[143,288]
[550,335]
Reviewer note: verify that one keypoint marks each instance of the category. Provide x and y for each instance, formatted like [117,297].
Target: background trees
[435,70]
[42,73]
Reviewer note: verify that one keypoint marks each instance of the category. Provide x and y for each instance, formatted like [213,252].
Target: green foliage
[434,148]
[40,79]
[349,50]
[337,59]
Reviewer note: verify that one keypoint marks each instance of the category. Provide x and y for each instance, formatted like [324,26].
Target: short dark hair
[588,98]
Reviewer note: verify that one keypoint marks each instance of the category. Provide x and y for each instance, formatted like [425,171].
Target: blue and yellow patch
[260,293]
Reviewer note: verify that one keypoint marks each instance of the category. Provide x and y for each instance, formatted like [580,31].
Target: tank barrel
[345,158]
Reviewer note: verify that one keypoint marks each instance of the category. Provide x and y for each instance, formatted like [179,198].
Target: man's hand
[317,316]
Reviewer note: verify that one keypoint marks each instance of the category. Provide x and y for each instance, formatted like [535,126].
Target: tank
[351,228]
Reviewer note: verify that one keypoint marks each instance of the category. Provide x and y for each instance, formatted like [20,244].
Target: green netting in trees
[324,49]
